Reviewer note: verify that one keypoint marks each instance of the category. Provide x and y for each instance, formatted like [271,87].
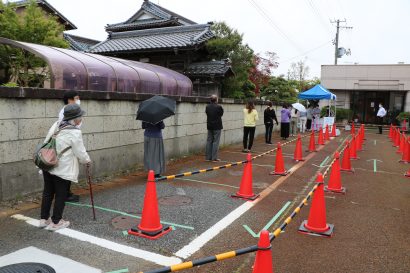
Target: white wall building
[362,87]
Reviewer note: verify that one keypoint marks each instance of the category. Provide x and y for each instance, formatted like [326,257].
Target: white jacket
[68,164]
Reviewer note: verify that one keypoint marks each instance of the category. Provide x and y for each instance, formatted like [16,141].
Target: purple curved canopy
[84,71]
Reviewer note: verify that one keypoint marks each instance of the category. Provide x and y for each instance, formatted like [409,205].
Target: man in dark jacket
[214,113]
[269,116]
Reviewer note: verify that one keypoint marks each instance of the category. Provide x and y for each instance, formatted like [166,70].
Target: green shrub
[403,115]
[10,84]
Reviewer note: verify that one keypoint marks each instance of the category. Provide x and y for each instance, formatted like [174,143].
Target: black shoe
[73,198]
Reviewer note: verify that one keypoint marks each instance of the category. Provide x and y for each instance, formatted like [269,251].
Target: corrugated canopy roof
[84,71]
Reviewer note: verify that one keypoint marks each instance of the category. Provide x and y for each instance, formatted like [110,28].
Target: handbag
[46,157]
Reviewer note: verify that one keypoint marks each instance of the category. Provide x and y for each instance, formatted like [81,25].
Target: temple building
[158,36]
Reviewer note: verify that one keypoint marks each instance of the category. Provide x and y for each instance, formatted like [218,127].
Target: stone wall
[111,134]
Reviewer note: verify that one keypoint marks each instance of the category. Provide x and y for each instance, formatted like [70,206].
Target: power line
[308,51]
[265,15]
[318,15]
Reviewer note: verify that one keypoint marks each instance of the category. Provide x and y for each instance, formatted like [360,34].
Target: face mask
[78,102]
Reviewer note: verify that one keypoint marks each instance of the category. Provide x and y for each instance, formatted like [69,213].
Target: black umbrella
[156,109]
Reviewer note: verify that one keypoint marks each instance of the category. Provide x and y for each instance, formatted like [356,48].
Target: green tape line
[125,214]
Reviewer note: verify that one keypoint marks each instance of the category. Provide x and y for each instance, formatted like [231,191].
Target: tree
[228,44]
[280,90]
[261,71]
[33,26]
[299,72]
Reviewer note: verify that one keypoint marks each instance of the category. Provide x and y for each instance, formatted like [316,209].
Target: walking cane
[91,188]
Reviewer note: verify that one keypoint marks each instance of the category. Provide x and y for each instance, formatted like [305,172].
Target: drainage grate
[27,268]
[175,200]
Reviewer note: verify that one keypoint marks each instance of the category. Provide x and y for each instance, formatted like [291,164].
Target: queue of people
[71,151]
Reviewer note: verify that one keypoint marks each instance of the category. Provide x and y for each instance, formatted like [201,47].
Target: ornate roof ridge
[164,30]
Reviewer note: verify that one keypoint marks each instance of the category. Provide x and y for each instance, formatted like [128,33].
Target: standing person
[293,121]
[214,113]
[302,121]
[380,115]
[70,97]
[284,122]
[316,118]
[269,116]
[250,117]
[154,152]
[309,117]
[70,148]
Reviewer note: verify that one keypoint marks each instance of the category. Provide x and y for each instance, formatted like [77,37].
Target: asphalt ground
[371,220]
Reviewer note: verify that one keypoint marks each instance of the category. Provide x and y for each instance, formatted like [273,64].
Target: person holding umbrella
[152,112]
[302,115]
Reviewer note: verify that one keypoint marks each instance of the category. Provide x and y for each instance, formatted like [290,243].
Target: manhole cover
[27,268]
[124,222]
[175,200]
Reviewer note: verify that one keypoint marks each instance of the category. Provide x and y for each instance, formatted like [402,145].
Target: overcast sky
[294,29]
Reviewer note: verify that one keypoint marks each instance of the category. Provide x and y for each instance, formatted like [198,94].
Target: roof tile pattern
[158,38]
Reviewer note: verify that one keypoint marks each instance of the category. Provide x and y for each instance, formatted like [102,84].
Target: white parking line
[205,237]
[127,250]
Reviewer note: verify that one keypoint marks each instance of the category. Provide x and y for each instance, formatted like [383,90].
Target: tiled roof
[157,38]
[78,43]
[161,17]
[142,24]
[67,24]
[216,68]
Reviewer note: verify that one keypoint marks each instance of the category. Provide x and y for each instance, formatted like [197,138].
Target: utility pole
[336,42]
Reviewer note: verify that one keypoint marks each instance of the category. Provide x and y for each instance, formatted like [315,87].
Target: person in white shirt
[70,97]
[380,115]
[293,122]
[57,181]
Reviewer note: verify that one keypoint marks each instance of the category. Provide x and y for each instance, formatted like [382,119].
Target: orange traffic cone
[353,151]
[316,223]
[298,156]
[150,226]
[352,130]
[279,164]
[363,136]
[312,146]
[390,131]
[327,137]
[404,126]
[245,190]
[320,139]
[333,134]
[407,173]
[359,141]
[263,261]
[346,164]
[335,180]
[397,138]
[406,152]
[400,149]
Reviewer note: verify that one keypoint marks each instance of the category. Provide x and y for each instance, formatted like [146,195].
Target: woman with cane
[71,151]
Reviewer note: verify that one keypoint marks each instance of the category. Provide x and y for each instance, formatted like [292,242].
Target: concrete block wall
[111,134]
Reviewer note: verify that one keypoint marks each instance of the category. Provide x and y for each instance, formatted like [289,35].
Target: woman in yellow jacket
[250,117]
